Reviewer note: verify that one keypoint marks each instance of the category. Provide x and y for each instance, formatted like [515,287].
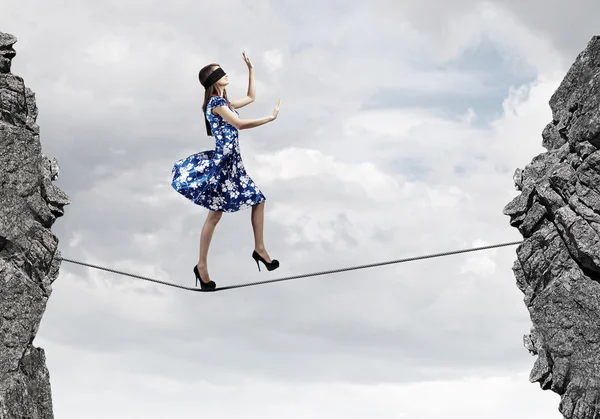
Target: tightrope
[288,278]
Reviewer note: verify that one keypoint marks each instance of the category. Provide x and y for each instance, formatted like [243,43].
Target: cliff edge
[29,255]
[558,263]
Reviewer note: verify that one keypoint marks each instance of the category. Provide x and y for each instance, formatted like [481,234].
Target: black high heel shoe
[211,285]
[274,264]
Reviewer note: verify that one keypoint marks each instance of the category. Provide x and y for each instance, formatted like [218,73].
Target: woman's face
[223,81]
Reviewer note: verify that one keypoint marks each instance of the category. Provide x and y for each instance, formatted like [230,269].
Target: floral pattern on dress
[217,179]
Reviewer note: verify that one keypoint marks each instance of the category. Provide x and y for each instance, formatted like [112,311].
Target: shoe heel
[211,285]
[196,274]
[274,264]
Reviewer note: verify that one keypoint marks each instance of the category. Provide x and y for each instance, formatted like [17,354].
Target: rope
[250,284]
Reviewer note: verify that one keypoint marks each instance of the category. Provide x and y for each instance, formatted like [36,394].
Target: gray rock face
[29,255]
[558,263]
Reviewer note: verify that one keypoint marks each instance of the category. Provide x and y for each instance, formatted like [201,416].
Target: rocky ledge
[29,255]
[558,263]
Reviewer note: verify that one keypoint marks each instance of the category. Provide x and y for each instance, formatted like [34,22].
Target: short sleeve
[217,101]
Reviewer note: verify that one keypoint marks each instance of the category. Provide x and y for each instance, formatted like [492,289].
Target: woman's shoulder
[216,100]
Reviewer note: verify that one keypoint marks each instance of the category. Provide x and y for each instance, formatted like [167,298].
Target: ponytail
[208,128]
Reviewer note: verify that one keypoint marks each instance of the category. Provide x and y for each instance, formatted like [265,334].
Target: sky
[401,125]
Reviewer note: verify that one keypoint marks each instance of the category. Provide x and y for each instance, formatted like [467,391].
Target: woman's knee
[214,216]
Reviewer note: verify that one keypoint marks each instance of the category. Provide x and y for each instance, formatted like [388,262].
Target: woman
[216,179]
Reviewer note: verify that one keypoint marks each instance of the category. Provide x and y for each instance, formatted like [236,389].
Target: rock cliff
[29,255]
[558,263]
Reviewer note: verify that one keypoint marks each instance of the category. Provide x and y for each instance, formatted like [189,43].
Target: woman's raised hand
[276,110]
[247,60]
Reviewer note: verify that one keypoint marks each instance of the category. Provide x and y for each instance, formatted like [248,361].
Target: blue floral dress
[216,179]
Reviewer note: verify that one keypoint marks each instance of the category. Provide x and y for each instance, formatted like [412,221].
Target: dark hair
[212,90]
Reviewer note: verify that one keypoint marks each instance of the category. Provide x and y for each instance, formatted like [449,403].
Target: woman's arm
[238,123]
[251,95]
[241,124]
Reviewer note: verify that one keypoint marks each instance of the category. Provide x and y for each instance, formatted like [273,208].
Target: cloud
[532,32]
[147,386]
[273,59]
[110,50]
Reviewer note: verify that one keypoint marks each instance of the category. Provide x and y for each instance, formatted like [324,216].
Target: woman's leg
[258,222]
[212,219]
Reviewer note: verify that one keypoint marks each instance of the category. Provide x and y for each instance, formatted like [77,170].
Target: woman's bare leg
[258,222]
[212,219]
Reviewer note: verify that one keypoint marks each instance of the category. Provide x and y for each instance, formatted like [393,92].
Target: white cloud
[482,263]
[468,117]
[446,30]
[107,50]
[489,397]
[273,59]
[75,240]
